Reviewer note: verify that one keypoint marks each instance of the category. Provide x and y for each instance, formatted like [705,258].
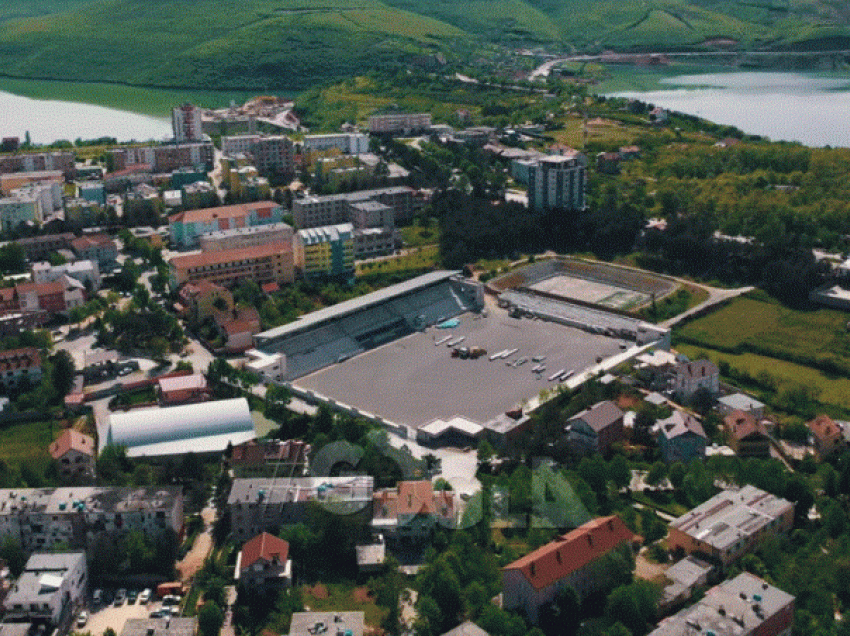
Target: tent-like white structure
[207,427]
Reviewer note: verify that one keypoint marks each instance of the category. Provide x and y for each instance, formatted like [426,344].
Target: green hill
[265,44]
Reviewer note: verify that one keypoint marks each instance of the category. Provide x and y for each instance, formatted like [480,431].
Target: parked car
[120,595]
[82,619]
[131,596]
[97,596]
[145,596]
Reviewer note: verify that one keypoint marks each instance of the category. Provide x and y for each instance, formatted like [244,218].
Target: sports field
[412,381]
[587,291]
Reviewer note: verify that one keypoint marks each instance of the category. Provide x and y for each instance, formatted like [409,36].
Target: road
[201,548]
[715,297]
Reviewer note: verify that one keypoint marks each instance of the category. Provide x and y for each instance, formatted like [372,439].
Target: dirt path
[194,559]
[646,569]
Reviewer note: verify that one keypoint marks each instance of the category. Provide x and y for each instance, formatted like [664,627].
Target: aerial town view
[499,318]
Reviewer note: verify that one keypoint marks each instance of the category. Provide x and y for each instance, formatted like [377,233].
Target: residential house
[746,435]
[597,428]
[85,271]
[740,402]
[99,248]
[681,438]
[57,297]
[412,510]
[685,577]
[183,389]
[730,524]
[329,623]
[269,458]
[575,559]
[690,377]
[263,562]
[273,262]
[20,369]
[239,329]
[743,606]
[202,299]
[74,454]
[827,435]
[50,589]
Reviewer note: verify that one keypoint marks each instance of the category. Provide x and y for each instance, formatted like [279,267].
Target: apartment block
[269,263]
[41,518]
[558,182]
[38,248]
[200,194]
[99,248]
[18,210]
[316,211]
[325,251]
[186,227]
[85,271]
[346,143]
[238,144]
[264,505]
[186,123]
[731,524]
[241,237]
[744,606]
[40,161]
[13,181]
[273,155]
[50,589]
[399,123]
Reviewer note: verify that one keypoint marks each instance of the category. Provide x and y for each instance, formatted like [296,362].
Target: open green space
[25,444]
[283,44]
[757,324]
[342,598]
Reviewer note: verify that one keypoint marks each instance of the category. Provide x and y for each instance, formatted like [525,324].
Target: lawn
[831,390]
[26,444]
[418,235]
[341,598]
[417,259]
[756,324]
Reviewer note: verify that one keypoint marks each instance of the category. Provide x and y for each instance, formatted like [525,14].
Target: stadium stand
[336,333]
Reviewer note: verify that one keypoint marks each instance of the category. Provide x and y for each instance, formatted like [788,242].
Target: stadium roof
[199,428]
[349,306]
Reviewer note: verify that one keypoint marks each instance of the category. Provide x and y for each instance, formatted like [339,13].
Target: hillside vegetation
[265,44]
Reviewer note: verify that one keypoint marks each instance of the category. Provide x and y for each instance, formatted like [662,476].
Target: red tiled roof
[228,256]
[740,425]
[573,551]
[237,211]
[91,240]
[270,288]
[825,429]
[71,440]
[25,358]
[415,497]
[264,546]
[259,451]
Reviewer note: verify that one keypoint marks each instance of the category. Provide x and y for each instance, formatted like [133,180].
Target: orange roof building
[412,510]
[572,559]
[827,435]
[74,454]
[264,561]
[746,435]
[262,264]
[186,227]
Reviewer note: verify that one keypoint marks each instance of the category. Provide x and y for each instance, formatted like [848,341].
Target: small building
[740,402]
[743,606]
[50,589]
[690,377]
[684,578]
[201,299]
[74,453]
[597,428]
[183,389]
[827,435]
[412,510]
[746,435]
[174,626]
[730,524]
[263,562]
[574,559]
[20,369]
[99,248]
[681,438]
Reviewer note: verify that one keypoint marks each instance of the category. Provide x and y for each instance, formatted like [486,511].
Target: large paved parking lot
[411,381]
[103,616]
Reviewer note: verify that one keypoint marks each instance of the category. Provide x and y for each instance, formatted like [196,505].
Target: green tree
[62,376]
[210,619]
[619,472]
[656,474]
[14,556]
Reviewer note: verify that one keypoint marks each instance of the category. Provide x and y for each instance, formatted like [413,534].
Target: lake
[49,120]
[808,108]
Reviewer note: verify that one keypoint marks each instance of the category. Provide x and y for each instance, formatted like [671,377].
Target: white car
[82,619]
[145,596]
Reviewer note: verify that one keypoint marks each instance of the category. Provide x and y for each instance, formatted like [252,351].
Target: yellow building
[270,263]
[325,251]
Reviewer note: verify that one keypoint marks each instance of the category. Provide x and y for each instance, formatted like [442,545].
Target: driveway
[457,467]
[201,548]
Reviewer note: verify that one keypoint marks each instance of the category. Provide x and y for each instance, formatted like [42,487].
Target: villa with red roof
[264,562]
[574,559]
[827,435]
[74,453]
[412,510]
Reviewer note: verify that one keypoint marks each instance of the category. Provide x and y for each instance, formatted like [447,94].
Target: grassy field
[26,444]
[262,45]
[418,235]
[341,598]
[415,259]
[758,324]
[831,390]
